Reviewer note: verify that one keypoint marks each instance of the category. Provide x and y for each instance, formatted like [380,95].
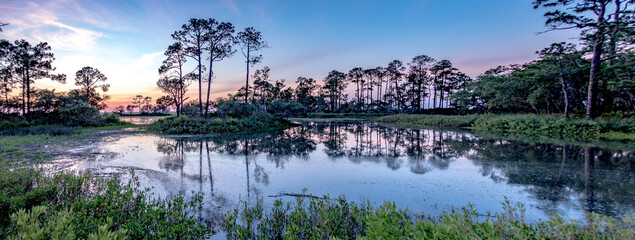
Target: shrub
[286,109]
[80,114]
[322,218]
[312,218]
[37,206]
[111,118]
[234,109]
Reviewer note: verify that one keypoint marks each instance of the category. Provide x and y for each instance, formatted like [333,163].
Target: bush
[312,218]
[36,206]
[111,118]
[286,109]
[234,109]
[322,218]
[80,114]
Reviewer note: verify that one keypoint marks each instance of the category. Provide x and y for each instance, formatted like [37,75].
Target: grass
[121,125]
[325,218]
[619,130]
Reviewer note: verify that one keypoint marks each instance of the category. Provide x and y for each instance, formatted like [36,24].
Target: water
[427,171]
[141,120]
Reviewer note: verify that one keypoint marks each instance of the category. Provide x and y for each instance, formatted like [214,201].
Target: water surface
[141,120]
[427,171]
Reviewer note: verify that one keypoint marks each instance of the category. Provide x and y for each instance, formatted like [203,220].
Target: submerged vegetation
[612,129]
[311,217]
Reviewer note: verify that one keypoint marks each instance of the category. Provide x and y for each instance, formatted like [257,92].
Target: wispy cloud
[232,5]
[33,21]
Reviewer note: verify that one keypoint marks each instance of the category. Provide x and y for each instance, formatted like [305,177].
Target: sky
[125,40]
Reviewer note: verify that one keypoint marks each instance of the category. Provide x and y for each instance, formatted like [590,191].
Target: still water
[427,171]
[141,120]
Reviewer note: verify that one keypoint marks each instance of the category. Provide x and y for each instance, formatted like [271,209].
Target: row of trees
[144,105]
[597,77]
[564,79]
[22,63]
[204,40]
[423,83]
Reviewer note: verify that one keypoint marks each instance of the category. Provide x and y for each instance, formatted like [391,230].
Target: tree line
[594,77]
[22,64]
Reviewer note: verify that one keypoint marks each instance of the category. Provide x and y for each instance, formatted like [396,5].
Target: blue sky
[126,39]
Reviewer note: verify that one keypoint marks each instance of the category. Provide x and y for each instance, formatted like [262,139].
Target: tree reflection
[599,179]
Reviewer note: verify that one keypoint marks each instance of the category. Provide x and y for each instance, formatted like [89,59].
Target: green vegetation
[186,125]
[38,205]
[619,129]
[65,206]
[324,218]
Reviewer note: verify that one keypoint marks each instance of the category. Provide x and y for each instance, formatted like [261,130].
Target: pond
[427,171]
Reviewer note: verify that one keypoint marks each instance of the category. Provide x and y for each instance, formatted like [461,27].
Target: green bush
[323,218]
[34,225]
[111,118]
[234,109]
[286,109]
[313,218]
[80,114]
[36,206]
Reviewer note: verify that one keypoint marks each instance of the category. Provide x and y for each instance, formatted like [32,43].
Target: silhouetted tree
[395,71]
[218,40]
[418,78]
[2,25]
[89,79]
[250,41]
[192,38]
[163,103]
[173,80]
[34,62]
[334,84]
[119,110]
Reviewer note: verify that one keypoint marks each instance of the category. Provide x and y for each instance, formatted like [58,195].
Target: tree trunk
[565,92]
[247,78]
[595,65]
[200,88]
[28,94]
[209,81]
[23,93]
